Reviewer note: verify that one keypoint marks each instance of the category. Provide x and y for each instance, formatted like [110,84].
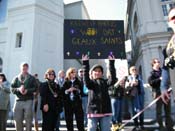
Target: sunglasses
[156,61]
[51,74]
[172,18]
[133,69]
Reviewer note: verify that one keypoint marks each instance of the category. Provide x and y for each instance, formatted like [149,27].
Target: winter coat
[116,92]
[134,90]
[48,97]
[4,95]
[30,85]
[154,81]
[76,94]
[98,97]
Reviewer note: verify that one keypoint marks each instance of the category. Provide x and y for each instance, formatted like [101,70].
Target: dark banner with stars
[97,38]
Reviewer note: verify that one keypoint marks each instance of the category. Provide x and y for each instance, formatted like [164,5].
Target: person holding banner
[99,105]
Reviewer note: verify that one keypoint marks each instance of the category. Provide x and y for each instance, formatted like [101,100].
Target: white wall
[47,50]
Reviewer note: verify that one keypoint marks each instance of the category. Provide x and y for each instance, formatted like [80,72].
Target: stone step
[127,128]
[150,125]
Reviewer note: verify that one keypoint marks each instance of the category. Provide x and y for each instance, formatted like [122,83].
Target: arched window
[1,64]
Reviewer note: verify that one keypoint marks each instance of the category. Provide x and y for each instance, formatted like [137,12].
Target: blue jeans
[116,105]
[165,80]
[84,105]
[103,121]
[137,105]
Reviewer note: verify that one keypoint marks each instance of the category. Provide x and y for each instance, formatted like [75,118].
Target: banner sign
[97,38]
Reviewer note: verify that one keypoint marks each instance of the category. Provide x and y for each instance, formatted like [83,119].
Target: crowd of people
[84,95]
[94,101]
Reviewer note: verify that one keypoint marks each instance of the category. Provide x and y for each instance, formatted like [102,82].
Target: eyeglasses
[133,69]
[73,72]
[172,18]
[156,61]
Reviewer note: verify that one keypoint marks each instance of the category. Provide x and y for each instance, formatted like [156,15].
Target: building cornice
[33,6]
[154,36]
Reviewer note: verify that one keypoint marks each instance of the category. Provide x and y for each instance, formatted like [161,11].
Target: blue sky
[105,9]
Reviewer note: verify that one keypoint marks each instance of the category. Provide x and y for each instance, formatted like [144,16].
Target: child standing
[99,105]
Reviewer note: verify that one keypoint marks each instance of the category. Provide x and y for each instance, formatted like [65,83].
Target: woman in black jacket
[99,104]
[72,100]
[50,101]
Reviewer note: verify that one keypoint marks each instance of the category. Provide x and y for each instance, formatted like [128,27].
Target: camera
[170,62]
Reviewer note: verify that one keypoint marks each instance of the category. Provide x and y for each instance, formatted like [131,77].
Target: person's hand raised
[111,57]
[85,57]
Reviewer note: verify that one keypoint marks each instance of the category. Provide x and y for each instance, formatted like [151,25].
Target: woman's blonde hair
[49,71]
[69,71]
[60,71]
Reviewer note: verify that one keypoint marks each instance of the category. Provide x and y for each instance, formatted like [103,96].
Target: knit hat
[95,67]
